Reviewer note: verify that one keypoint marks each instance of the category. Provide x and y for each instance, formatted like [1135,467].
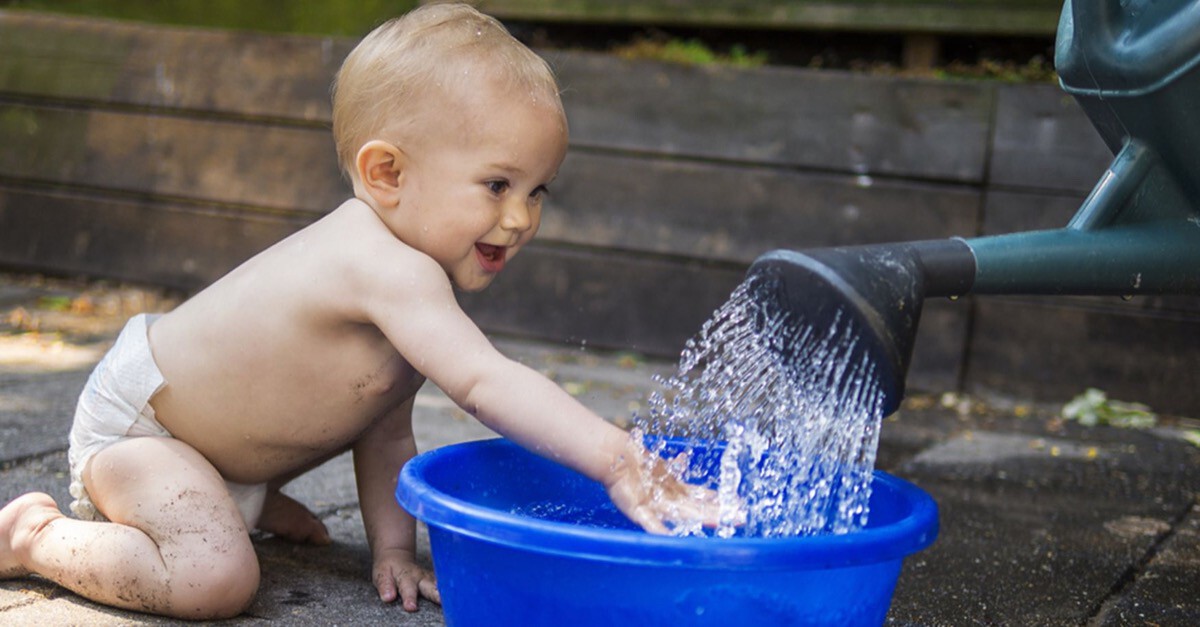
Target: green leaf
[1093,407]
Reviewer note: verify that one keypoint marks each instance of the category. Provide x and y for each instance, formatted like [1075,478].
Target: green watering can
[1134,67]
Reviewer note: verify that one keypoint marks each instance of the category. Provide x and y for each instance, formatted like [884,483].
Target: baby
[450,131]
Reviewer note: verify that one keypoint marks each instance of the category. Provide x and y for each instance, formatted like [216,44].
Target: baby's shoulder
[357,242]
[353,230]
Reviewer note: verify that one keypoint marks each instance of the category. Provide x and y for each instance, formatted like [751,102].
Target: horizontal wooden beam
[977,17]
[781,116]
[222,73]
[276,168]
[719,212]
[162,243]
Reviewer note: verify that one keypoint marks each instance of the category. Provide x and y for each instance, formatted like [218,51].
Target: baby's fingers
[385,585]
[409,592]
[697,504]
[702,507]
[429,589]
[710,512]
[413,583]
[649,520]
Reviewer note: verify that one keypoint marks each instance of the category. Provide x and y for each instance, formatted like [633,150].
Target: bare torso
[272,368]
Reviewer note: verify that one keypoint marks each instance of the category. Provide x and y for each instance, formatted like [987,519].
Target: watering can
[1134,68]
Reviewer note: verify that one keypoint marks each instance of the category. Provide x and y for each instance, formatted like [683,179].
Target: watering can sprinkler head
[876,292]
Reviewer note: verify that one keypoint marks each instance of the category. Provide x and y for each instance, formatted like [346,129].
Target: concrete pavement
[1043,521]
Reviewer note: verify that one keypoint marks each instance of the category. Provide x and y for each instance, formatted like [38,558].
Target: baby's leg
[177,545]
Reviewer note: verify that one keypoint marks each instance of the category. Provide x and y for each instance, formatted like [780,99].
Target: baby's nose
[517,217]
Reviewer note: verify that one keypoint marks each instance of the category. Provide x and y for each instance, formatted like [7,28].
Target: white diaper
[115,405]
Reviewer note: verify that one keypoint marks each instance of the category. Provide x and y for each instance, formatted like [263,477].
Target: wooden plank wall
[160,155]
[170,155]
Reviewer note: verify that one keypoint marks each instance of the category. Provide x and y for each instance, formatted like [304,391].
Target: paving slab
[1163,589]
[1045,527]
[36,410]
[1043,522]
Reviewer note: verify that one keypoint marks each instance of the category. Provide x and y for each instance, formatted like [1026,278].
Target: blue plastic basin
[519,540]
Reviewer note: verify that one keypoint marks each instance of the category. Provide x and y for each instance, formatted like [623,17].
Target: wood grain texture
[727,213]
[281,168]
[1043,140]
[171,244]
[783,116]
[110,62]
[994,17]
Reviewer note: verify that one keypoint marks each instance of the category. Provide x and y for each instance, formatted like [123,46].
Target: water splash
[797,407]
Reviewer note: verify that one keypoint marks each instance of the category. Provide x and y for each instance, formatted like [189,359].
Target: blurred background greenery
[314,17]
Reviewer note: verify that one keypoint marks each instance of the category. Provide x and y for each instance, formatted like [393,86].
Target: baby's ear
[379,166]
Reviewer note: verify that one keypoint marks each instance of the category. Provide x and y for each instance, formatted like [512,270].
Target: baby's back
[270,367]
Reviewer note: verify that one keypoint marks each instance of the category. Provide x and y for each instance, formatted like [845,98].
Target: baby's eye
[539,193]
[497,187]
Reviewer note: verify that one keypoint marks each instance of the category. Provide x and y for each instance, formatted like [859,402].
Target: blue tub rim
[893,541]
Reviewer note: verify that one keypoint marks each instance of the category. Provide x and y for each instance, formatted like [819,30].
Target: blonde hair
[389,75]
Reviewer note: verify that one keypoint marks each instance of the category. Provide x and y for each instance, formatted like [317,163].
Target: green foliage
[689,52]
[54,303]
[1093,407]
[315,17]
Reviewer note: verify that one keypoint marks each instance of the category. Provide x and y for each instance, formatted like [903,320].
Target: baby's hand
[397,574]
[651,496]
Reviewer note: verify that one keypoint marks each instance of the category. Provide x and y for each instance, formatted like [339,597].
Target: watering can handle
[1128,44]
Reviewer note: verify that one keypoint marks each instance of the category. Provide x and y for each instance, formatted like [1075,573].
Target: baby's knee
[224,588]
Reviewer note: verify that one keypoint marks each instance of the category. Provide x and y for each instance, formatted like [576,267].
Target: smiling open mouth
[491,257]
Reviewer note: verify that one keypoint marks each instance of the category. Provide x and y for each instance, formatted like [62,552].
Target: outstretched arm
[525,406]
[422,319]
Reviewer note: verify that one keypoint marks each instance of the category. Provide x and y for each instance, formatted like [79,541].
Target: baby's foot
[285,517]
[23,516]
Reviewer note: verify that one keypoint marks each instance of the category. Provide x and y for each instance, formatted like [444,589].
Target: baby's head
[414,67]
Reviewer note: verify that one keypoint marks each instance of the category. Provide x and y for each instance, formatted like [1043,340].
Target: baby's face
[473,190]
